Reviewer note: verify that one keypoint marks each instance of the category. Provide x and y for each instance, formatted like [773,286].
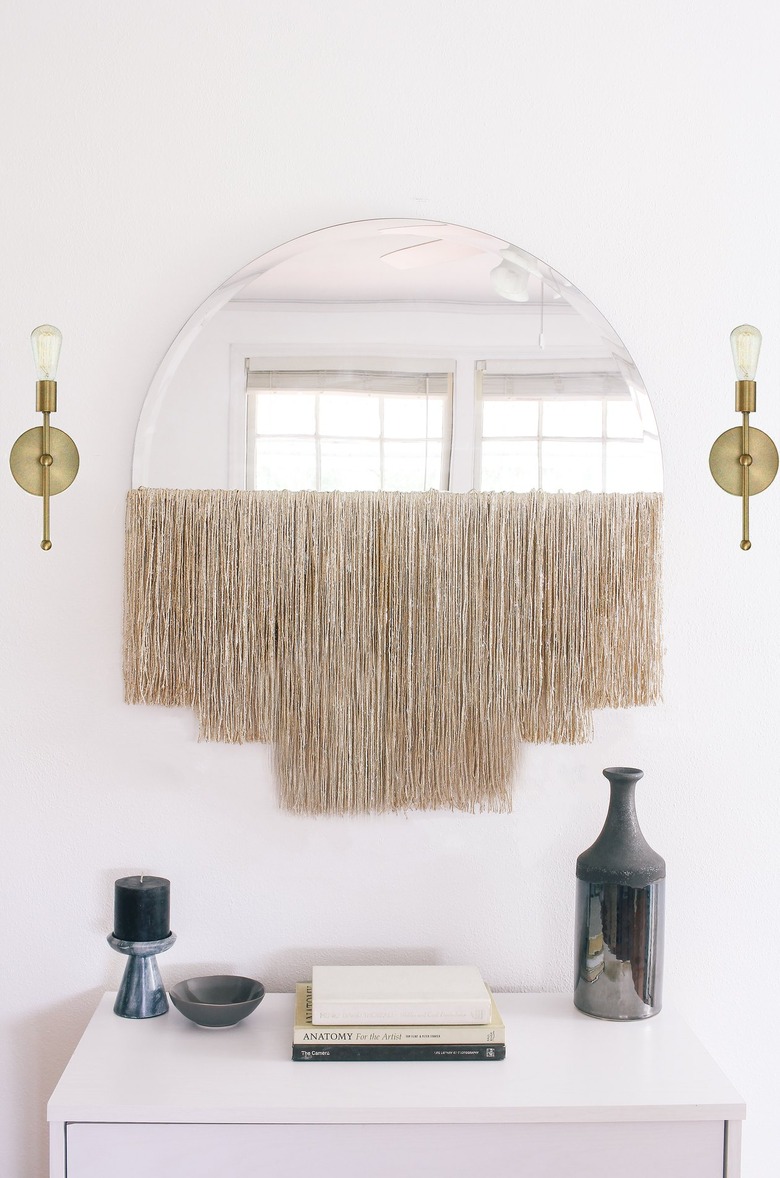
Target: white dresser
[575,1098]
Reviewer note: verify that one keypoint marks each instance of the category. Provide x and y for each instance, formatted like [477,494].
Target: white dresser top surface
[560,1066]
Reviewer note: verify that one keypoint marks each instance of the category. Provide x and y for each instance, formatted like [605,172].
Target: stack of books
[417,1012]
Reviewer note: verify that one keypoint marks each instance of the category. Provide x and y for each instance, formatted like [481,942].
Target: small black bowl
[219,1001]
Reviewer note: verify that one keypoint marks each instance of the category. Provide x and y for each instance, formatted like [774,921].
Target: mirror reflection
[398,355]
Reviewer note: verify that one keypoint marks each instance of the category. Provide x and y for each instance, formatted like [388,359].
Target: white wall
[151,149]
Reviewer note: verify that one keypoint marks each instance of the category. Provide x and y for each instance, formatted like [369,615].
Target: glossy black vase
[620,913]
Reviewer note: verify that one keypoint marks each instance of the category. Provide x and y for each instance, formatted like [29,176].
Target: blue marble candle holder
[141,994]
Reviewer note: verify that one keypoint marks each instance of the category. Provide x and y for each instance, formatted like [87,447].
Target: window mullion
[381,443]
[604,445]
[317,443]
[539,438]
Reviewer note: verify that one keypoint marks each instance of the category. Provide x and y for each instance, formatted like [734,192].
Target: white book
[400,995]
[366,1035]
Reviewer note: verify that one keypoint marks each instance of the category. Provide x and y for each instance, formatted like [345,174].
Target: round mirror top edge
[398,354]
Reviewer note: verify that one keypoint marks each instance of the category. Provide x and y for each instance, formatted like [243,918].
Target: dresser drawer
[674,1149]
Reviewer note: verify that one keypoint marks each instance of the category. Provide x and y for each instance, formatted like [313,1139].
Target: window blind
[380,383]
[568,385]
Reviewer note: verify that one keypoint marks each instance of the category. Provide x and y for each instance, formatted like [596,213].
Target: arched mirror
[395,647]
[404,355]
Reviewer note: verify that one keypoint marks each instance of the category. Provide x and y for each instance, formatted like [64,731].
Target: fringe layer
[396,647]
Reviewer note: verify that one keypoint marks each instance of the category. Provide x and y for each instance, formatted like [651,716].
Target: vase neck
[622,800]
[621,853]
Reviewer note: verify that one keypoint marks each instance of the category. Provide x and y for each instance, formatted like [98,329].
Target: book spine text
[344,1052]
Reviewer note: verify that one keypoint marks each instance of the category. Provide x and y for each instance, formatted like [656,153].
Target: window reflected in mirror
[572,432]
[340,430]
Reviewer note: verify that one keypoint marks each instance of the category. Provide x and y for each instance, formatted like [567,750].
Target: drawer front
[674,1149]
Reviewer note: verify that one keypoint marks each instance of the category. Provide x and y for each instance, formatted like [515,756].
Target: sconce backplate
[725,465]
[26,460]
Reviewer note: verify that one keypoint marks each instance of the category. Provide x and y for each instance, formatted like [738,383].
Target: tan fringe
[397,647]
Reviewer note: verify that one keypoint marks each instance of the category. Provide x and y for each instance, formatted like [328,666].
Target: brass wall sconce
[743,460]
[44,460]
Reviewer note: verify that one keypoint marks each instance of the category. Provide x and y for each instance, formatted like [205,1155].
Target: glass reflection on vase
[620,913]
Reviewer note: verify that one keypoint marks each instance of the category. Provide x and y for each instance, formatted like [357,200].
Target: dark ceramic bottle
[620,913]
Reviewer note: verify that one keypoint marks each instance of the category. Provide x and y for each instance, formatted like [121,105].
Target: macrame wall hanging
[396,647]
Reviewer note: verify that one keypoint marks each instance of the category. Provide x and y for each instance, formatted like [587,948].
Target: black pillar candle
[142,908]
